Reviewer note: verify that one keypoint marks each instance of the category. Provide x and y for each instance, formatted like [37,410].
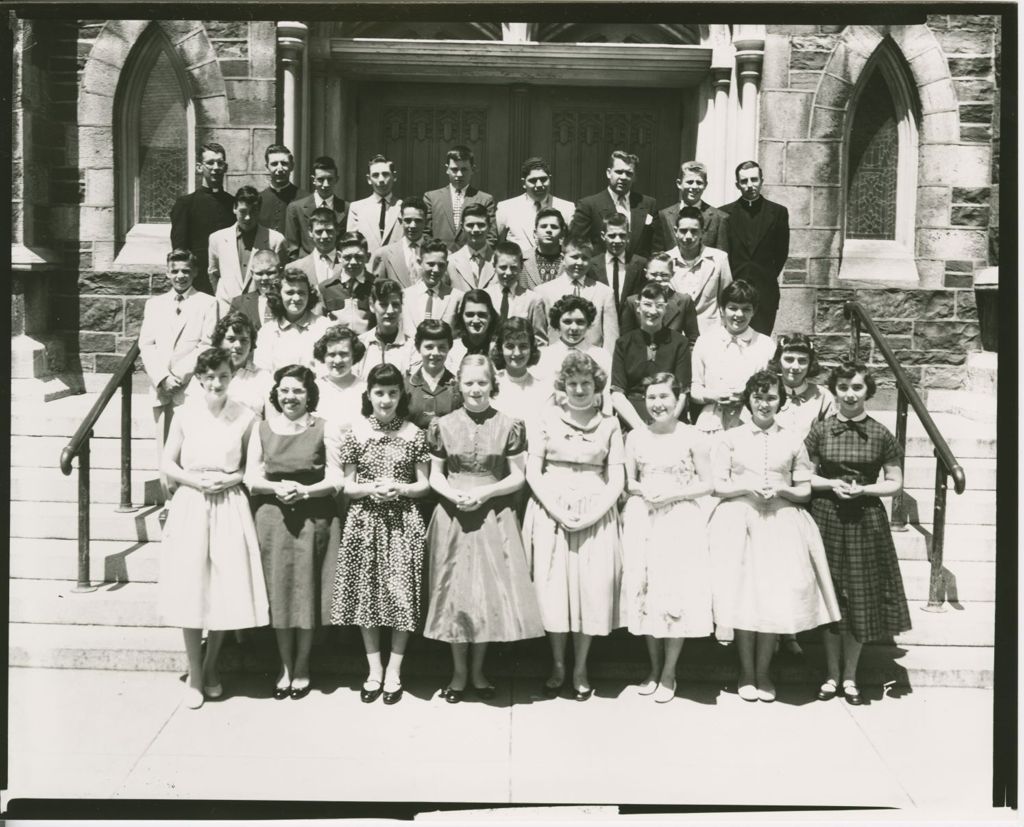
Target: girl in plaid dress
[848,450]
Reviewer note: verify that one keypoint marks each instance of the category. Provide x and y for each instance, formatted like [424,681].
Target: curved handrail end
[959,479]
[66,457]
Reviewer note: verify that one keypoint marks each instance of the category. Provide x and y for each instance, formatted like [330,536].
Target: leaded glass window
[874,161]
[162,143]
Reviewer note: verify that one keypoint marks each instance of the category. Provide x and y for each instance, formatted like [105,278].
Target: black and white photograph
[443,417]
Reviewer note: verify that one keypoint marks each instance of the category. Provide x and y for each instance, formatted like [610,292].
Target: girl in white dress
[211,574]
[666,567]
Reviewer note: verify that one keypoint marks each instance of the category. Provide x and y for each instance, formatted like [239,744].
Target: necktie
[623,208]
[430,304]
[383,214]
[576,289]
[268,314]
[178,299]
[615,279]
[503,313]
[478,263]
[457,209]
[326,265]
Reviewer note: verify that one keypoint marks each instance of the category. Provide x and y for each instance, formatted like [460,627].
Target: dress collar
[859,418]
[591,424]
[759,431]
[394,425]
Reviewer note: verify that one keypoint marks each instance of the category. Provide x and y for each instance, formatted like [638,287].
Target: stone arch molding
[111,51]
[940,119]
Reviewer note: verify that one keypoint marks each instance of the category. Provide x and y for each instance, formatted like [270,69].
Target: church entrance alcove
[573,128]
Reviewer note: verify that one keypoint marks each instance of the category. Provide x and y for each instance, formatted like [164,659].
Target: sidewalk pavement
[106,734]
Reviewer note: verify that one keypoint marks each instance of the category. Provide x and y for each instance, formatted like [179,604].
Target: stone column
[748,40]
[517,32]
[719,174]
[291,46]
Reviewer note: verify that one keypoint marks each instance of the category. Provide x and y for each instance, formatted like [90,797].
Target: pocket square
[648,220]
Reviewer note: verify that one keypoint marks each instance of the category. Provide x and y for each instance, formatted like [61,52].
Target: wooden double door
[574,128]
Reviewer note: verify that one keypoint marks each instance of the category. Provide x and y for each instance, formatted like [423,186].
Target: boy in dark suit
[692,181]
[296,221]
[195,215]
[445,205]
[759,243]
[640,210]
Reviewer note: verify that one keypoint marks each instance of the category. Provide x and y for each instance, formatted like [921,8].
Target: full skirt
[769,570]
[211,576]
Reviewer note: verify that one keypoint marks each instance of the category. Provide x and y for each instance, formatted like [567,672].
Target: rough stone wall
[810,73]
[231,69]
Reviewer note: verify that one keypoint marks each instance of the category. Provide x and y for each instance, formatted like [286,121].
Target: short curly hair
[514,326]
[292,275]
[212,357]
[339,333]
[567,304]
[305,376]
[386,375]
[761,381]
[577,362]
[847,369]
[234,322]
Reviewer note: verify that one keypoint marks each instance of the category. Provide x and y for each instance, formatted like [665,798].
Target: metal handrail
[946,464]
[79,446]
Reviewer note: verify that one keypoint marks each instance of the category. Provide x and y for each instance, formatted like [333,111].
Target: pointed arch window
[880,179]
[154,138]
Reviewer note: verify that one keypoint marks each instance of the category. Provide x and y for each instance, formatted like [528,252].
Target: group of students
[427,437]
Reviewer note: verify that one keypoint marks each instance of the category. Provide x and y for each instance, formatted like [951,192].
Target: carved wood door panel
[415,124]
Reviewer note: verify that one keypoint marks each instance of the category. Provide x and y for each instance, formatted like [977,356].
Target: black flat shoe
[281,692]
[368,696]
[452,696]
[852,693]
[582,694]
[553,691]
[484,693]
[297,694]
[393,697]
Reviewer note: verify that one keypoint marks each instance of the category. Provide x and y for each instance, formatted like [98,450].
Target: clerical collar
[282,189]
[205,188]
[751,204]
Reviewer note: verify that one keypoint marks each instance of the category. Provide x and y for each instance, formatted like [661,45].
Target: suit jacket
[759,257]
[296,223]
[525,304]
[517,217]
[389,263]
[341,303]
[364,217]
[716,228]
[226,274]
[414,306]
[680,316]
[462,272]
[441,218]
[588,221]
[631,278]
[274,205]
[605,329]
[248,304]
[169,342]
[705,285]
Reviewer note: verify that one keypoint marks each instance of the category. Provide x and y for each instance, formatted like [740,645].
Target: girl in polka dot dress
[380,562]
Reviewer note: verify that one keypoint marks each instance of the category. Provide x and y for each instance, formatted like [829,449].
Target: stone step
[973,404]
[111,561]
[59,520]
[962,542]
[338,651]
[35,484]
[44,452]
[919,472]
[969,508]
[122,561]
[62,417]
[967,439]
[135,604]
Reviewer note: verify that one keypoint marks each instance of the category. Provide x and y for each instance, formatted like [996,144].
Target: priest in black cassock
[274,200]
[195,215]
[758,242]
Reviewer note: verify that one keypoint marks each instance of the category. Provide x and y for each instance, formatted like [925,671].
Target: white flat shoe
[192,697]
[766,695]
[664,694]
[213,692]
[647,688]
[748,692]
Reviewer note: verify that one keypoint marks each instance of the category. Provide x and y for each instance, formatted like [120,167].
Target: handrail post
[126,445]
[855,336]
[84,578]
[936,583]
[898,521]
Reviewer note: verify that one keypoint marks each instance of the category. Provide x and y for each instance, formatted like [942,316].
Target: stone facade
[67,74]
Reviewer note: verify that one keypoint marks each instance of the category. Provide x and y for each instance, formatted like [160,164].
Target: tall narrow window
[154,146]
[880,183]
[874,155]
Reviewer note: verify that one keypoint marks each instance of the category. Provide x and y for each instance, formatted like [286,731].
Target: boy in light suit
[517,217]
[376,216]
[470,267]
[397,261]
[231,249]
[176,327]
[432,297]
